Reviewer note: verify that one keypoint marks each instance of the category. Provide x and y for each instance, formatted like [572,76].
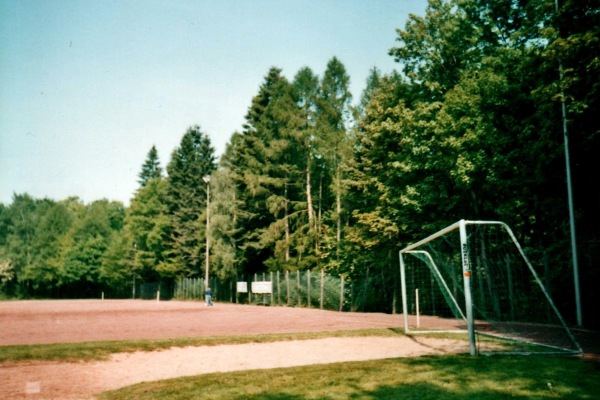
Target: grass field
[94,351]
[431,377]
[428,377]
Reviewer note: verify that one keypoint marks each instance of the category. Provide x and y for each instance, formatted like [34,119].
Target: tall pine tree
[186,201]
[334,144]
[151,168]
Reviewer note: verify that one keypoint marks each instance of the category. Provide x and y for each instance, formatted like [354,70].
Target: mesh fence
[312,289]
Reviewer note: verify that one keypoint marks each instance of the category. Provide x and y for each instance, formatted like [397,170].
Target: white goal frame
[467,315]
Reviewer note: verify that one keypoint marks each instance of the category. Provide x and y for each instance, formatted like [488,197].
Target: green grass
[432,377]
[440,377]
[93,351]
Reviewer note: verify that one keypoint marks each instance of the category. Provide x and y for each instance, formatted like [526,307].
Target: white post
[417,304]
[464,251]
[569,191]
[403,289]
[207,180]
[157,296]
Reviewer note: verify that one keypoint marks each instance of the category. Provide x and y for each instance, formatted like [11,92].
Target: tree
[186,200]
[247,157]
[54,222]
[305,93]
[151,168]
[434,49]
[19,232]
[333,141]
[84,247]
[147,229]
[225,258]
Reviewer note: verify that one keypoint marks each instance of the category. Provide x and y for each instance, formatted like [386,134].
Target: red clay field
[68,321]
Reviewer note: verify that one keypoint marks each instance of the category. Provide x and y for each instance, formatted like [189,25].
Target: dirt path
[68,381]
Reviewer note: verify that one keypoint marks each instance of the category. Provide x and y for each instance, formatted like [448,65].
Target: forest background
[471,127]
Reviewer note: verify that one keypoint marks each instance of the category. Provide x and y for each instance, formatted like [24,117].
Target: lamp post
[133,271]
[207,180]
[569,191]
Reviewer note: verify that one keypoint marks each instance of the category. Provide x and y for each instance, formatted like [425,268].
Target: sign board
[262,287]
[242,287]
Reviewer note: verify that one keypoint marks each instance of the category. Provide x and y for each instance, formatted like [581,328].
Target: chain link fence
[312,289]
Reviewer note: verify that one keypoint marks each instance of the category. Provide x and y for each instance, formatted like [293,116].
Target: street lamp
[206,179]
[133,270]
[569,191]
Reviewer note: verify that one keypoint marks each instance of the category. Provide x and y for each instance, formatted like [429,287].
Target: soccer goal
[473,278]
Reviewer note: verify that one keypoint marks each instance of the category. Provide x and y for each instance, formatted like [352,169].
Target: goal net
[473,278]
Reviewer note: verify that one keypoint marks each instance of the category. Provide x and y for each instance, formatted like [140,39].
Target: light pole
[569,191]
[133,271]
[207,180]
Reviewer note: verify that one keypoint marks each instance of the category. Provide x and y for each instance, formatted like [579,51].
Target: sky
[88,87]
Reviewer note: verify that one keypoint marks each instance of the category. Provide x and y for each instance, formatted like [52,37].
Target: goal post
[474,277]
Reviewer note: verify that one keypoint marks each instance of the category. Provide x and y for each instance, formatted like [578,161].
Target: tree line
[470,127]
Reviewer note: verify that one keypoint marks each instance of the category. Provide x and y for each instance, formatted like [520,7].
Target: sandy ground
[84,380]
[42,322]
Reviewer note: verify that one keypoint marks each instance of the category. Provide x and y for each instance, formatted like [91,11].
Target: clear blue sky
[87,87]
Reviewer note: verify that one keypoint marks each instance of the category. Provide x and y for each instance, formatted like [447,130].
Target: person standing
[208,295]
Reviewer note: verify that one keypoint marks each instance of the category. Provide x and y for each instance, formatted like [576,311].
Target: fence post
[237,295]
[287,285]
[308,288]
[322,289]
[366,289]
[352,304]
[278,289]
[342,293]
[298,286]
[271,302]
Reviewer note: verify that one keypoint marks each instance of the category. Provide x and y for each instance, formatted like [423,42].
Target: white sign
[262,287]
[242,287]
